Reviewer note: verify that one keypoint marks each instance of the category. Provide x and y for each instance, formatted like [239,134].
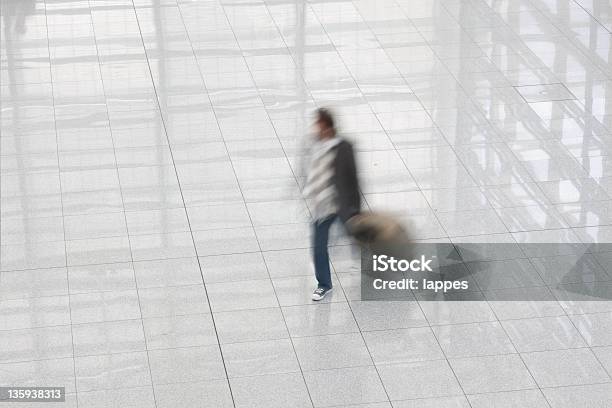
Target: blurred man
[333,186]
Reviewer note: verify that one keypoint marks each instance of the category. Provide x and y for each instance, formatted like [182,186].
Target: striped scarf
[319,184]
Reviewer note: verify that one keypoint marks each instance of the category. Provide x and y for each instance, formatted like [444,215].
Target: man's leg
[321,254]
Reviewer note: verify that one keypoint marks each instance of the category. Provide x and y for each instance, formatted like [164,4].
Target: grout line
[116,168]
[19,361]
[252,77]
[520,354]
[163,122]
[61,196]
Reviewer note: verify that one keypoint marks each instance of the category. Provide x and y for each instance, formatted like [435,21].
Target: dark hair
[326,117]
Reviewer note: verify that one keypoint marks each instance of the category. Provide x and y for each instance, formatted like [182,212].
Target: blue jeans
[321,254]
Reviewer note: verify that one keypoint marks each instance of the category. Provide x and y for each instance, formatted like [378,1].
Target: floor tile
[473,339]
[260,358]
[162,246]
[549,243]
[594,328]
[425,379]
[537,302]
[505,274]
[92,202]
[278,212]
[120,336]
[508,399]
[250,325]
[331,351]
[36,312]
[36,344]
[545,92]
[490,247]
[173,301]
[557,169]
[254,294]
[298,290]
[141,397]
[179,331]
[33,283]
[104,306]
[319,319]
[101,278]
[95,225]
[236,267]
[566,269]
[515,195]
[209,394]
[210,217]
[403,345]
[443,177]
[427,157]
[584,298]
[586,214]
[604,355]
[98,250]
[477,222]
[543,334]
[286,236]
[344,386]
[225,241]
[291,262]
[276,390]
[462,199]
[596,396]
[32,229]
[344,258]
[370,405]
[387,315]
[190,364]
[455,312]
[112,371]
[33,255]
[537,217]
[442,402]
[152,197]
[45,372]
[572,191]
[492,374]
[167,272]
[158,221]
[565,367]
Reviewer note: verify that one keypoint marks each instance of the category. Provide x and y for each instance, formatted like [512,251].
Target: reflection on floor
[154,242]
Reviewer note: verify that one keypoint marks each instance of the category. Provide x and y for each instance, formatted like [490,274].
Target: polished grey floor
[154,241]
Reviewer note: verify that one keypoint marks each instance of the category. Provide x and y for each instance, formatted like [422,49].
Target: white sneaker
[320,293]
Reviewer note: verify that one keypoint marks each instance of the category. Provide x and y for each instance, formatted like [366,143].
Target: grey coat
[346,181]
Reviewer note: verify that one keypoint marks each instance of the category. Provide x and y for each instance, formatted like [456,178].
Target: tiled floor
[154,242]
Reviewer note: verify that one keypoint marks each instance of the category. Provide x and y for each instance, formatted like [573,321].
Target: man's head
[325,124]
